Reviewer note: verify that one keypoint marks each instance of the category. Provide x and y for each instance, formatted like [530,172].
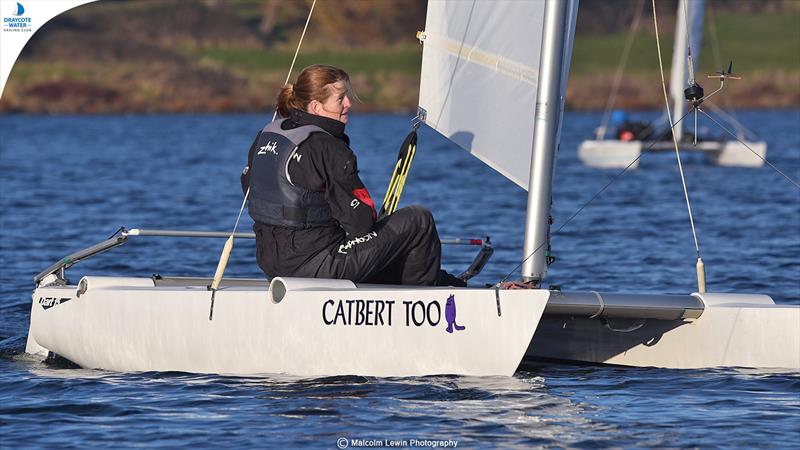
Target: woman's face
[336,106]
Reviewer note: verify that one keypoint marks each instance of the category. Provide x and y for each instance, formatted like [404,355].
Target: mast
[687,35]
[545,141]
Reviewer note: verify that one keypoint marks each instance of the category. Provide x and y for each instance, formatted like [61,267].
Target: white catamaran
[744,150]
[317,327]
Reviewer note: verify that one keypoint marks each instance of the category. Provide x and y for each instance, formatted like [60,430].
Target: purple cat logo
[450,314]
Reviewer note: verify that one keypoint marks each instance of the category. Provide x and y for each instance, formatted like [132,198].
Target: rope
[748,147]
[674,138]
[226,250]
[120,229]
[602,305]
[297,51]
[620,70]
[275,114]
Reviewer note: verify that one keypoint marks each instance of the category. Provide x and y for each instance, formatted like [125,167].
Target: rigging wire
[748,147]
[620,70]
[674,138]
[275,113]
[701,276]
[226,250]
[700,267]
[297,51]
[742,131]
[594,197]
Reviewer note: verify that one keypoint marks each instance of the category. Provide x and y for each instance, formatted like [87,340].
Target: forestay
[480,71]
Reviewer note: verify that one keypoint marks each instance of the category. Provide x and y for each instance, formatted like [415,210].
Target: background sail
[480,71]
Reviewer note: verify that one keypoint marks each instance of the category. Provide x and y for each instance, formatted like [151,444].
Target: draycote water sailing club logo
[17,22]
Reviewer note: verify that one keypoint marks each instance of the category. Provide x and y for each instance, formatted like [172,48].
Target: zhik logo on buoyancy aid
[274,199]
[271,147]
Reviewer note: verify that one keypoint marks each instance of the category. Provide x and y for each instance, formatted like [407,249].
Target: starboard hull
[733,331]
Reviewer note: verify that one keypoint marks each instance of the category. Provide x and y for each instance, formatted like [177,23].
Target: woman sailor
[313,216]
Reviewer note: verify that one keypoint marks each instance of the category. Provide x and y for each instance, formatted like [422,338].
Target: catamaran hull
[129,324]
[733,331]
[609,154]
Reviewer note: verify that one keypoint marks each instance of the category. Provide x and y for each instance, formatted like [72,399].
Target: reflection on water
[555,406]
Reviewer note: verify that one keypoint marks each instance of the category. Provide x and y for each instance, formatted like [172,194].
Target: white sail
[688,34]
[480,71]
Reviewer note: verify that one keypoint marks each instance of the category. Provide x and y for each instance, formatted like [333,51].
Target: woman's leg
[403,248]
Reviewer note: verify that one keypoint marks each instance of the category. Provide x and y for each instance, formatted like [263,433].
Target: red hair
[312,84]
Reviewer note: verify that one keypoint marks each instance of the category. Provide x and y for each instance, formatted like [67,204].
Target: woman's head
[321,90]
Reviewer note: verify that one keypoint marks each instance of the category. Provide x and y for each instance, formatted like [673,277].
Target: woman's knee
[410,221]
[421,214]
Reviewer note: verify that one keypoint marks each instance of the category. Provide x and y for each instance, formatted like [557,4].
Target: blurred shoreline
[225,56]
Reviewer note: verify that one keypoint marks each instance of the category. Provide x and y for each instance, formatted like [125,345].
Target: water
[69,182]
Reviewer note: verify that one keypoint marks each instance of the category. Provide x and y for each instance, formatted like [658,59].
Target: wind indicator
[695,94]
[722,75]
[726,75]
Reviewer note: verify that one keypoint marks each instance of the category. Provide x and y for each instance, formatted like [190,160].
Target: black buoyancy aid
[274,200]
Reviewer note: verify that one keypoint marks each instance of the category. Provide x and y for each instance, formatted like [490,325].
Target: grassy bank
[756,43]
[252,62]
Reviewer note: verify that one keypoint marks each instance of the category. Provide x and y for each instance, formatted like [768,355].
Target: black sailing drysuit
[314,217]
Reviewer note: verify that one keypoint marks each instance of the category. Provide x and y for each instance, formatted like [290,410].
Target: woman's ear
[313,107]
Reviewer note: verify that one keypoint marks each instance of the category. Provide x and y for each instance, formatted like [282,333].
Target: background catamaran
[493,82]
[620,141]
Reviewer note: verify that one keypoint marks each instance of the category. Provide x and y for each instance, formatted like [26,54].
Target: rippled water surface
[69,182]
